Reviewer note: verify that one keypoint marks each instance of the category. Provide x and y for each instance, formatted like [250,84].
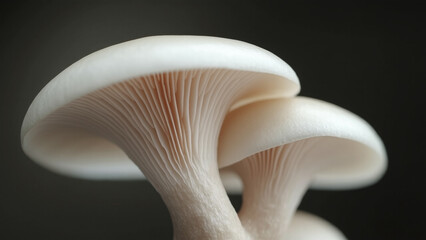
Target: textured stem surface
[204,212]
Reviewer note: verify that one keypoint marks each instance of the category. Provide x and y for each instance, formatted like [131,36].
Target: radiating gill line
[147,108]
[129,145]
[105,106]
[195,110]
[132,145]
[169,162]
[177,126]
[158,128]
[211,107]
[131,101]
[149,88]
[172,141]
[186,86]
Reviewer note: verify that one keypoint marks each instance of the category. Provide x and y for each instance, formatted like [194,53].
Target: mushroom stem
[274,181]
[203,212]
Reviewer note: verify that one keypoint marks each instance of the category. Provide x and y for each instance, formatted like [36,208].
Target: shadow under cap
[271,123]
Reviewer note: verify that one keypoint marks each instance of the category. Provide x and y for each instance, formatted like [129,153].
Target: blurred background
[369,58]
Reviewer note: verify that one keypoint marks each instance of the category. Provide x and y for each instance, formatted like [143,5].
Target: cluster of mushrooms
[200,116]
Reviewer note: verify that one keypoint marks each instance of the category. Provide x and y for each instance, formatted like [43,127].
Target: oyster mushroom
[281,147]
[159,101]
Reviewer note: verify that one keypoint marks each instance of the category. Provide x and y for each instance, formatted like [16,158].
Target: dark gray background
[368,58]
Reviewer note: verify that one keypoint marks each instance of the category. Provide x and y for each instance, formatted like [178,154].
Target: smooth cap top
[358,152]
[132,59]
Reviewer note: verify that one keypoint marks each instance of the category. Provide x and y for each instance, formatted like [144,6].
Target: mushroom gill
[168,125]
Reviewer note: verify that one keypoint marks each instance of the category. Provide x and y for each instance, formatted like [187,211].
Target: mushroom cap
[306,226]
[81,154]
[357,152]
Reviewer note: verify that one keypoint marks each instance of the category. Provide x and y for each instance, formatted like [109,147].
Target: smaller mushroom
[306,226]
[281,147]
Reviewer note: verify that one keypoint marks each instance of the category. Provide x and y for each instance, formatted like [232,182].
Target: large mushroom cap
[357,152]
[79,153]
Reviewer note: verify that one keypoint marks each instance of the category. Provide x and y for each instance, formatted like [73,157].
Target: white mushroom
[159,101]
[280,147]
[306,226]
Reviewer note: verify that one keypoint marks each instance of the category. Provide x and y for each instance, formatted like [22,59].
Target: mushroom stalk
[203,212]
[274,181]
